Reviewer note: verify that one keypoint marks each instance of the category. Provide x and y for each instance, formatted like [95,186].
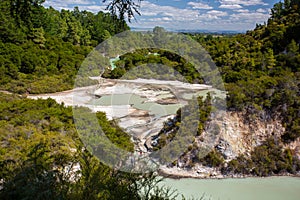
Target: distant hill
[218,32]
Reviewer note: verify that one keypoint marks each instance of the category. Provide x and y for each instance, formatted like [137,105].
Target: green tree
[106,35]
[269,59]
[38,36]
[293,48]
[276,11]
[23,11]
[9,31]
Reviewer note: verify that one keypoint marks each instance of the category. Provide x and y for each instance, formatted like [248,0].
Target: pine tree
[293,48]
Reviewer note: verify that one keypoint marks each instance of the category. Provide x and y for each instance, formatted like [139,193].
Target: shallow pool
[137,102]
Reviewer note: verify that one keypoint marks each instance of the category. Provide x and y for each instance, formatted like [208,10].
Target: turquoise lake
[270,188]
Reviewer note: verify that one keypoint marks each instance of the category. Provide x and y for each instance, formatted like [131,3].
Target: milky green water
[138,103]
[271,188]
[112,62]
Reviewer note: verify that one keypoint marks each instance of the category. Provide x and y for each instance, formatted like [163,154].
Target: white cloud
[217,13]
[89,5]
[80,2]
[243,2]
[60,3]
[160,19]
[172,17]
[177,14]
[149,13]
[261,10]
[231,6]
[93,8]
[255,17]
[199,5]
[242,10]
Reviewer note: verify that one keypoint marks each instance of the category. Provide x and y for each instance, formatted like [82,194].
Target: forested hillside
[42,47]
[41,156]
[261,68]
[261,74]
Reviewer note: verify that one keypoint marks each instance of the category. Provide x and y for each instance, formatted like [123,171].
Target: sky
[211,15]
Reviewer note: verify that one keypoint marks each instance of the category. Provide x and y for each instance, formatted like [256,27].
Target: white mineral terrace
[140,106]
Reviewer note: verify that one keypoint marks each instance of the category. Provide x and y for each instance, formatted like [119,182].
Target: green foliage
[180,126]
[212,159]
[41,156]
[261,74]
[261,68]
[140,57]
[114,133]
[266,159]
[42,44]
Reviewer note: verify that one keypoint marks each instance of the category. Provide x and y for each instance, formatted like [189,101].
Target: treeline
[158,57]
[42,47]
[42,157]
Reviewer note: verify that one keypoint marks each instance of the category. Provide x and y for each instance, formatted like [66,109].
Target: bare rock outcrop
[239,136]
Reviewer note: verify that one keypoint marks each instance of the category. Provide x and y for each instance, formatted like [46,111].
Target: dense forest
[42,46]
[41,52]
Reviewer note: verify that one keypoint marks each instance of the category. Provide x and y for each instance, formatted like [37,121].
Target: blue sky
[213,15]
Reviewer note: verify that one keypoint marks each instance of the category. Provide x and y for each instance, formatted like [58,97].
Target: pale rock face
[239,136]
[225,148]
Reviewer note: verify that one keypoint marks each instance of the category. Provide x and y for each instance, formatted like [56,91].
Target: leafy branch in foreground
[124,7]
